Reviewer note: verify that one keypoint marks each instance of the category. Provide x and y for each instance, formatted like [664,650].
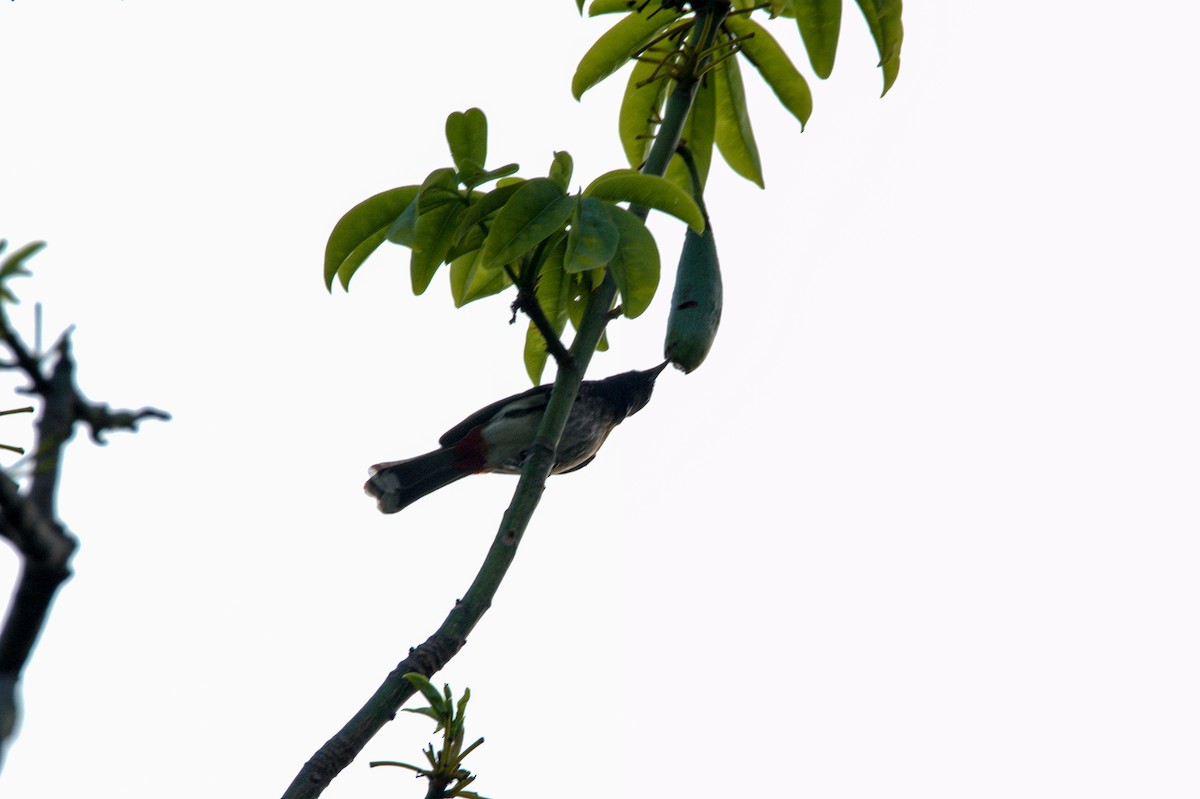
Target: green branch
[432,655]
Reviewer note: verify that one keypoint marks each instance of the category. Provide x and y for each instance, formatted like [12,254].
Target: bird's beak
[657,370]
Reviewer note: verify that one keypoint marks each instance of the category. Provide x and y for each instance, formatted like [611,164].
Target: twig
[527,303]
[100,418]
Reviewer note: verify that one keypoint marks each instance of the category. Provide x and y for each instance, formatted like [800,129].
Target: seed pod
[696,301]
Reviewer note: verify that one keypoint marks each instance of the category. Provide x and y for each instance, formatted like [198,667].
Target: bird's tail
[398,484]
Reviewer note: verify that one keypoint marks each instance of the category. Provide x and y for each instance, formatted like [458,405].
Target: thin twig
[527,303]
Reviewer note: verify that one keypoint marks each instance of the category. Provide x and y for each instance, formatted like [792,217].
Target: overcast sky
[924,524]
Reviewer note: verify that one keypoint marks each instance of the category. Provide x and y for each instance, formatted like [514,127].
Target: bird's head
[631,389]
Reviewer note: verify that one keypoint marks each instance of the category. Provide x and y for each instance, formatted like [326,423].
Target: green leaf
[733,134]
[432,240]
[462,274]
[698,136]
[470,242]
[651,191]
[439,188]
[422,711]
[593,238]
[618,44]
[485,206]
[469,283]
[431,694]
[561,169]
[761,50]
[536,211]
[535,354]
[480,178]
[635,267]
[610,7]
[820,22]
[401,230]
[775,8]
[14,266]
[498,282]
[702,125]
[461,715]
[640,110]
[361,230]
[14,262]
[883,18]
[580,287]
[554,286]
[466,133]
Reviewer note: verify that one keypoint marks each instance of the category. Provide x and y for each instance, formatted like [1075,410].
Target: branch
[429,657]
[100,418]
[527,303]
[46,551]
[29,520]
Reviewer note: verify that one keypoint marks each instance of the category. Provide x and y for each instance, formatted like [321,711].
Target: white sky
[925,523]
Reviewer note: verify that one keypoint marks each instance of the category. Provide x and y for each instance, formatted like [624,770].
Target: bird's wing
[529,401]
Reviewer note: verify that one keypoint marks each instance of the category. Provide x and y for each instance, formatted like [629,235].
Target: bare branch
[29,519]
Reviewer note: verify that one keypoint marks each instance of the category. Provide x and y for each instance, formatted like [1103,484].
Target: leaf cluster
[445,764]
[495,230]
[653,34]
[555,246]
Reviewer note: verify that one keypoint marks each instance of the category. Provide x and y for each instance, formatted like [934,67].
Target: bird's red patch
[469,452]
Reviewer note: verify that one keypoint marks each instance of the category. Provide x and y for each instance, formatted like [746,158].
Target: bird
[496,437]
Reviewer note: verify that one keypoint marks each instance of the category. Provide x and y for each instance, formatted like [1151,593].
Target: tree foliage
[533,234]
[572,256]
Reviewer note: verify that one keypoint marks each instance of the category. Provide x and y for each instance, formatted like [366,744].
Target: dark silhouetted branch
[28,519]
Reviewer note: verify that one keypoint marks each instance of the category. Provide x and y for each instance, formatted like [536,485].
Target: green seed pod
[696,301]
